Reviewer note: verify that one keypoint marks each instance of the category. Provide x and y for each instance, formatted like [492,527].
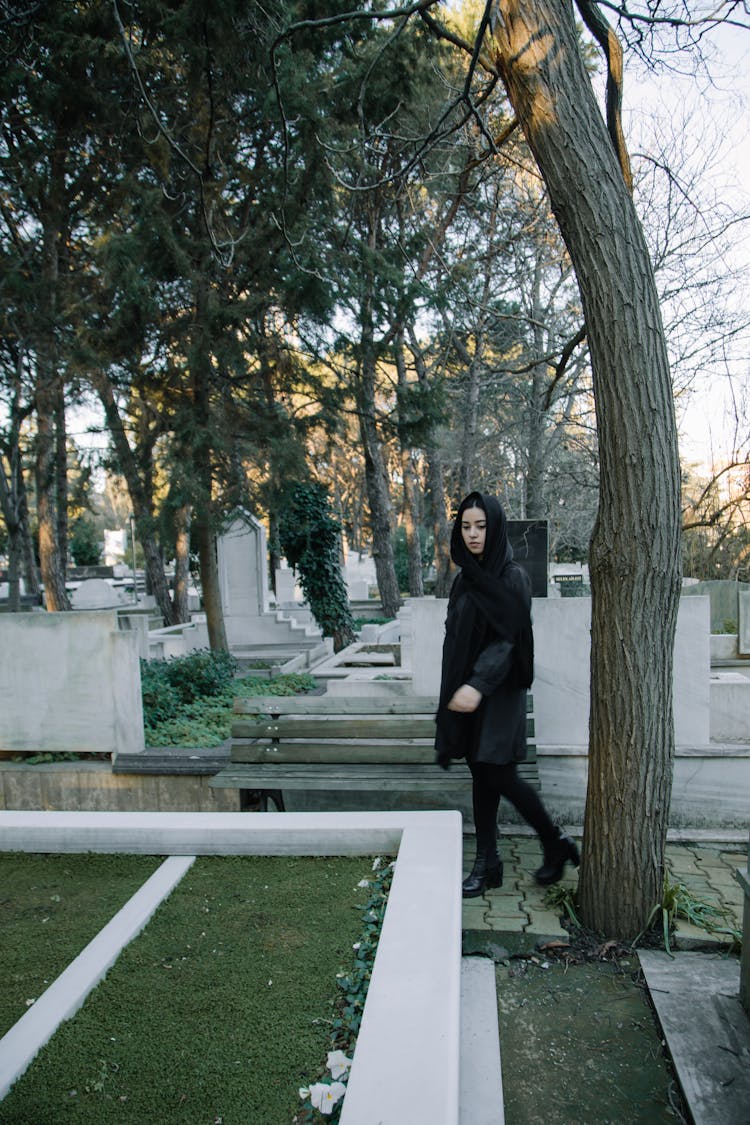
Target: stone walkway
[519,912]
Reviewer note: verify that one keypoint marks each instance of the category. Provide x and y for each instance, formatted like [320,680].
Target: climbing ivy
[311,541]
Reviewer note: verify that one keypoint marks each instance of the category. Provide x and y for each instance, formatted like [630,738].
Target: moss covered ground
[51,907]
[218,1012]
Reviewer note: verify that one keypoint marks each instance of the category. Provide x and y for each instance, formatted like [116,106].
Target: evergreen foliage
[84,542]
[311,540]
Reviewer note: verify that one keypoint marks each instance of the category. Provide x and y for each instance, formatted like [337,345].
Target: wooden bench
[322,742]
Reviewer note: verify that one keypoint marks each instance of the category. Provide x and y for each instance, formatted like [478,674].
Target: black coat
[496,731]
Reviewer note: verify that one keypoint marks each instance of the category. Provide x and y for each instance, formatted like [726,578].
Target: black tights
[489,784]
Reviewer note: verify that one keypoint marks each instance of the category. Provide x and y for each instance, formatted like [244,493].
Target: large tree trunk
[441,528]
[51,562]
[205,540]
[182,563]
[202,455]
[376,477]
[140,498]
[411,505]
[635,550]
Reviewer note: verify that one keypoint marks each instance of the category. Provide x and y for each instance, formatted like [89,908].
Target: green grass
[51,907]
[218,1012]
[207,721]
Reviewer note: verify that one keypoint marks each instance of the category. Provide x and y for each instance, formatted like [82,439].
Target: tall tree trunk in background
[635,549]
[441,529]
[61,475]
[51,563]
[203,515]
[376,477]
[9,507]
[48,377]
[411,509]
[181,563]
[140,498]
[205,541]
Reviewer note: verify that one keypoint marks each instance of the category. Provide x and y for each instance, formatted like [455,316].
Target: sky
[720,113]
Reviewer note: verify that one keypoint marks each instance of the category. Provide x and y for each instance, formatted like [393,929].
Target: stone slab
[481,1087]
[696,996]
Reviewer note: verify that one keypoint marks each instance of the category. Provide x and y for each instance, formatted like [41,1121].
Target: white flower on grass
[338,1063]
[324,1096]
[357,945]
[363,883]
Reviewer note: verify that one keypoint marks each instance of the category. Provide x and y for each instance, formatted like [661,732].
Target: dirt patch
[580,1045]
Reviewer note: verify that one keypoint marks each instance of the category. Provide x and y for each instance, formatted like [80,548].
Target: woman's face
[474,530]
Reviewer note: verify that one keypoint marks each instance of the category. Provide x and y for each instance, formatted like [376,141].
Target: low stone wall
[711,789]
[92,787]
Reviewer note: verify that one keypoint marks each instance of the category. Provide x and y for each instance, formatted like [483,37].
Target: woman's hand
[466,699]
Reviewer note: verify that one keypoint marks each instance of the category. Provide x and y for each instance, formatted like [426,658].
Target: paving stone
[478,924]
[687,936]
[547,922]
[508,925]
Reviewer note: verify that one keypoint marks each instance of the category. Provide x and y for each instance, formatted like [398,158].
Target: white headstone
[96,593]
[243,576]
[743,639]
[286,583]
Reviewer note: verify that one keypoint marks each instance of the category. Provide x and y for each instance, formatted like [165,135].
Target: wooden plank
[405,751]
[330,705]
[335,726]
[343,776]
[323,727]
[346,776]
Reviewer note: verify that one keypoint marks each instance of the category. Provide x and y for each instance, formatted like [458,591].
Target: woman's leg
[488,866]
[506,782]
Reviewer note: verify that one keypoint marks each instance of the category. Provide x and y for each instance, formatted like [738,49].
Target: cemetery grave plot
[220,1006]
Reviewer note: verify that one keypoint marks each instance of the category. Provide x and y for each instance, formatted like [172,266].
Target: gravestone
[743,638]
[243,576]
[530,542]
[96,593]
[286,583]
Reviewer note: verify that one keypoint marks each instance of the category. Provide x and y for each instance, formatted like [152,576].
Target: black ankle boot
[486,872]
[560,851]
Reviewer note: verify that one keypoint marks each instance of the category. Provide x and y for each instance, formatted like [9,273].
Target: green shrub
[200,673]
[160,700]
[207,720]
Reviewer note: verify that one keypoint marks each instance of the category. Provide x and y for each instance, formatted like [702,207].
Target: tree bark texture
[205,540]
[411,508]
[51,560]
[140,498]
[376,477]
[635,549]
[182,563]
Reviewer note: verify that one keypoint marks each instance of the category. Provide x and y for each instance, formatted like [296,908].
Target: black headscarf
[491,608]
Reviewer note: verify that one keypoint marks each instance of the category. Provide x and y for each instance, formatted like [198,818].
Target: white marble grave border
[406,1065]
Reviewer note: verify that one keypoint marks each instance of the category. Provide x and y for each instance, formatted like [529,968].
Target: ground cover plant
[187,701]
[218,1012]
[52,906]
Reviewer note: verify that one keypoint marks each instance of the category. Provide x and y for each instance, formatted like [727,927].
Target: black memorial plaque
[530,541]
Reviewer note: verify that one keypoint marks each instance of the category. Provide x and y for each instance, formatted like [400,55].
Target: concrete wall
[562,644]
[92,787]
[69,682]
[710,787]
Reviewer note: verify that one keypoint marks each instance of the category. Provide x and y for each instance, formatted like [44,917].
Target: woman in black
[487,667]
